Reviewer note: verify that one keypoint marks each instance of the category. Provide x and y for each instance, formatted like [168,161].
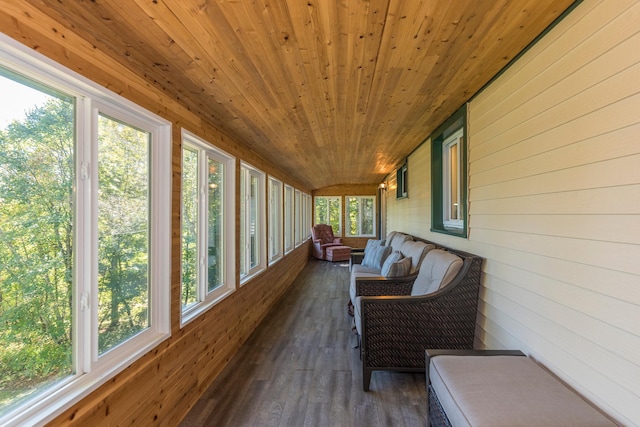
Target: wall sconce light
[382,186]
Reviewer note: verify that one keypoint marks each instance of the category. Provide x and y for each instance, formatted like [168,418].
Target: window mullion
[85,302]
[203,229]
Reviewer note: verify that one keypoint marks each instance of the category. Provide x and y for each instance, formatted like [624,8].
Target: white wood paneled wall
[554,204]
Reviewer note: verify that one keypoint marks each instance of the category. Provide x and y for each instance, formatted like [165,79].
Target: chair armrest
[356,257]
[380,285]
[411,324]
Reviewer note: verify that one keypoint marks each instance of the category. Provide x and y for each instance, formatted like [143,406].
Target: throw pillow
[400,268]
[369,250]
[394,257]
[380,256]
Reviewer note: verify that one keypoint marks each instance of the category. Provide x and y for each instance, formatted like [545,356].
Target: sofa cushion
[506,391]
[393,257]
[416,251]
[369,250]
[352,284]
[397,240]
[359,269]
[379,255]
[438,268]
[399,268]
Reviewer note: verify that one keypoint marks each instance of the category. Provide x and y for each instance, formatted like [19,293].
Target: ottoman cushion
[338,253]
[507,391]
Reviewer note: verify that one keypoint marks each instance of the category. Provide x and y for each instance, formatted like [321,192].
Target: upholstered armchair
[322,235]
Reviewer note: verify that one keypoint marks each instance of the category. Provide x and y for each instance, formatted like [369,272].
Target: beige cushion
[397,240]
[438,268]
[507,391]
[416,251]
[397,269]
[372,272]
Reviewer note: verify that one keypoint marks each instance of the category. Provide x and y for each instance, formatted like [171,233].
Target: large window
[84,235]
[252,222]
[289,243]
[298,217]
[360,216]
[208,236]
[328,210]
[449,176]
[275,219]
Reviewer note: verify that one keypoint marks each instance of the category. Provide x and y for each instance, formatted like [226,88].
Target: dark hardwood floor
[299,368]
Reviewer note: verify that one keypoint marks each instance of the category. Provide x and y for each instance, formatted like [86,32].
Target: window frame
[448,181]
[90,369]
[298,205]
[360,216]
[402,184]
[336,233]
[439,199]
[205,299]
[276,220]
[288,232]
[247,272]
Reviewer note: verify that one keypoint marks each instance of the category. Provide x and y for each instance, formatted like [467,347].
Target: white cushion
[438,268]
[397,240]
[416,251]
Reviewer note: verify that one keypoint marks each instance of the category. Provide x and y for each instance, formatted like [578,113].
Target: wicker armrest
[357,257]
[444,319]
[373,286]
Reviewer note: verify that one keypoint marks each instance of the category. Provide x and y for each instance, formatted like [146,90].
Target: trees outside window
[84,236]
[275,219]
[289,243]
[208,224]
[252,221]
[360,216]
[328,210]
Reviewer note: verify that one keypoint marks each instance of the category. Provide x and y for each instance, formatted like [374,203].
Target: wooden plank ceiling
[332,91]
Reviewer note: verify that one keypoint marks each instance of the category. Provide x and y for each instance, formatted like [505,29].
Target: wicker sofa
[414,250]
[396,321]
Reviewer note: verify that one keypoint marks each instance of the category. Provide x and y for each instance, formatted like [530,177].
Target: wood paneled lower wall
[161,387]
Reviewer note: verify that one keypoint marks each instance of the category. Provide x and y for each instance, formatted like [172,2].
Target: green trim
[402,183]
[450,126]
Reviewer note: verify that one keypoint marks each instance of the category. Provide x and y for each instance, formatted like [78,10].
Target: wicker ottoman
[338,253]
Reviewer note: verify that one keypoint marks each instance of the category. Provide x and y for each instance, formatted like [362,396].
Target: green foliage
[189,225]
[37,208]
[36,235]
[123,248]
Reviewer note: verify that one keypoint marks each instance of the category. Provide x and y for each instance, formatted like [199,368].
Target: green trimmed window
[449,176]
